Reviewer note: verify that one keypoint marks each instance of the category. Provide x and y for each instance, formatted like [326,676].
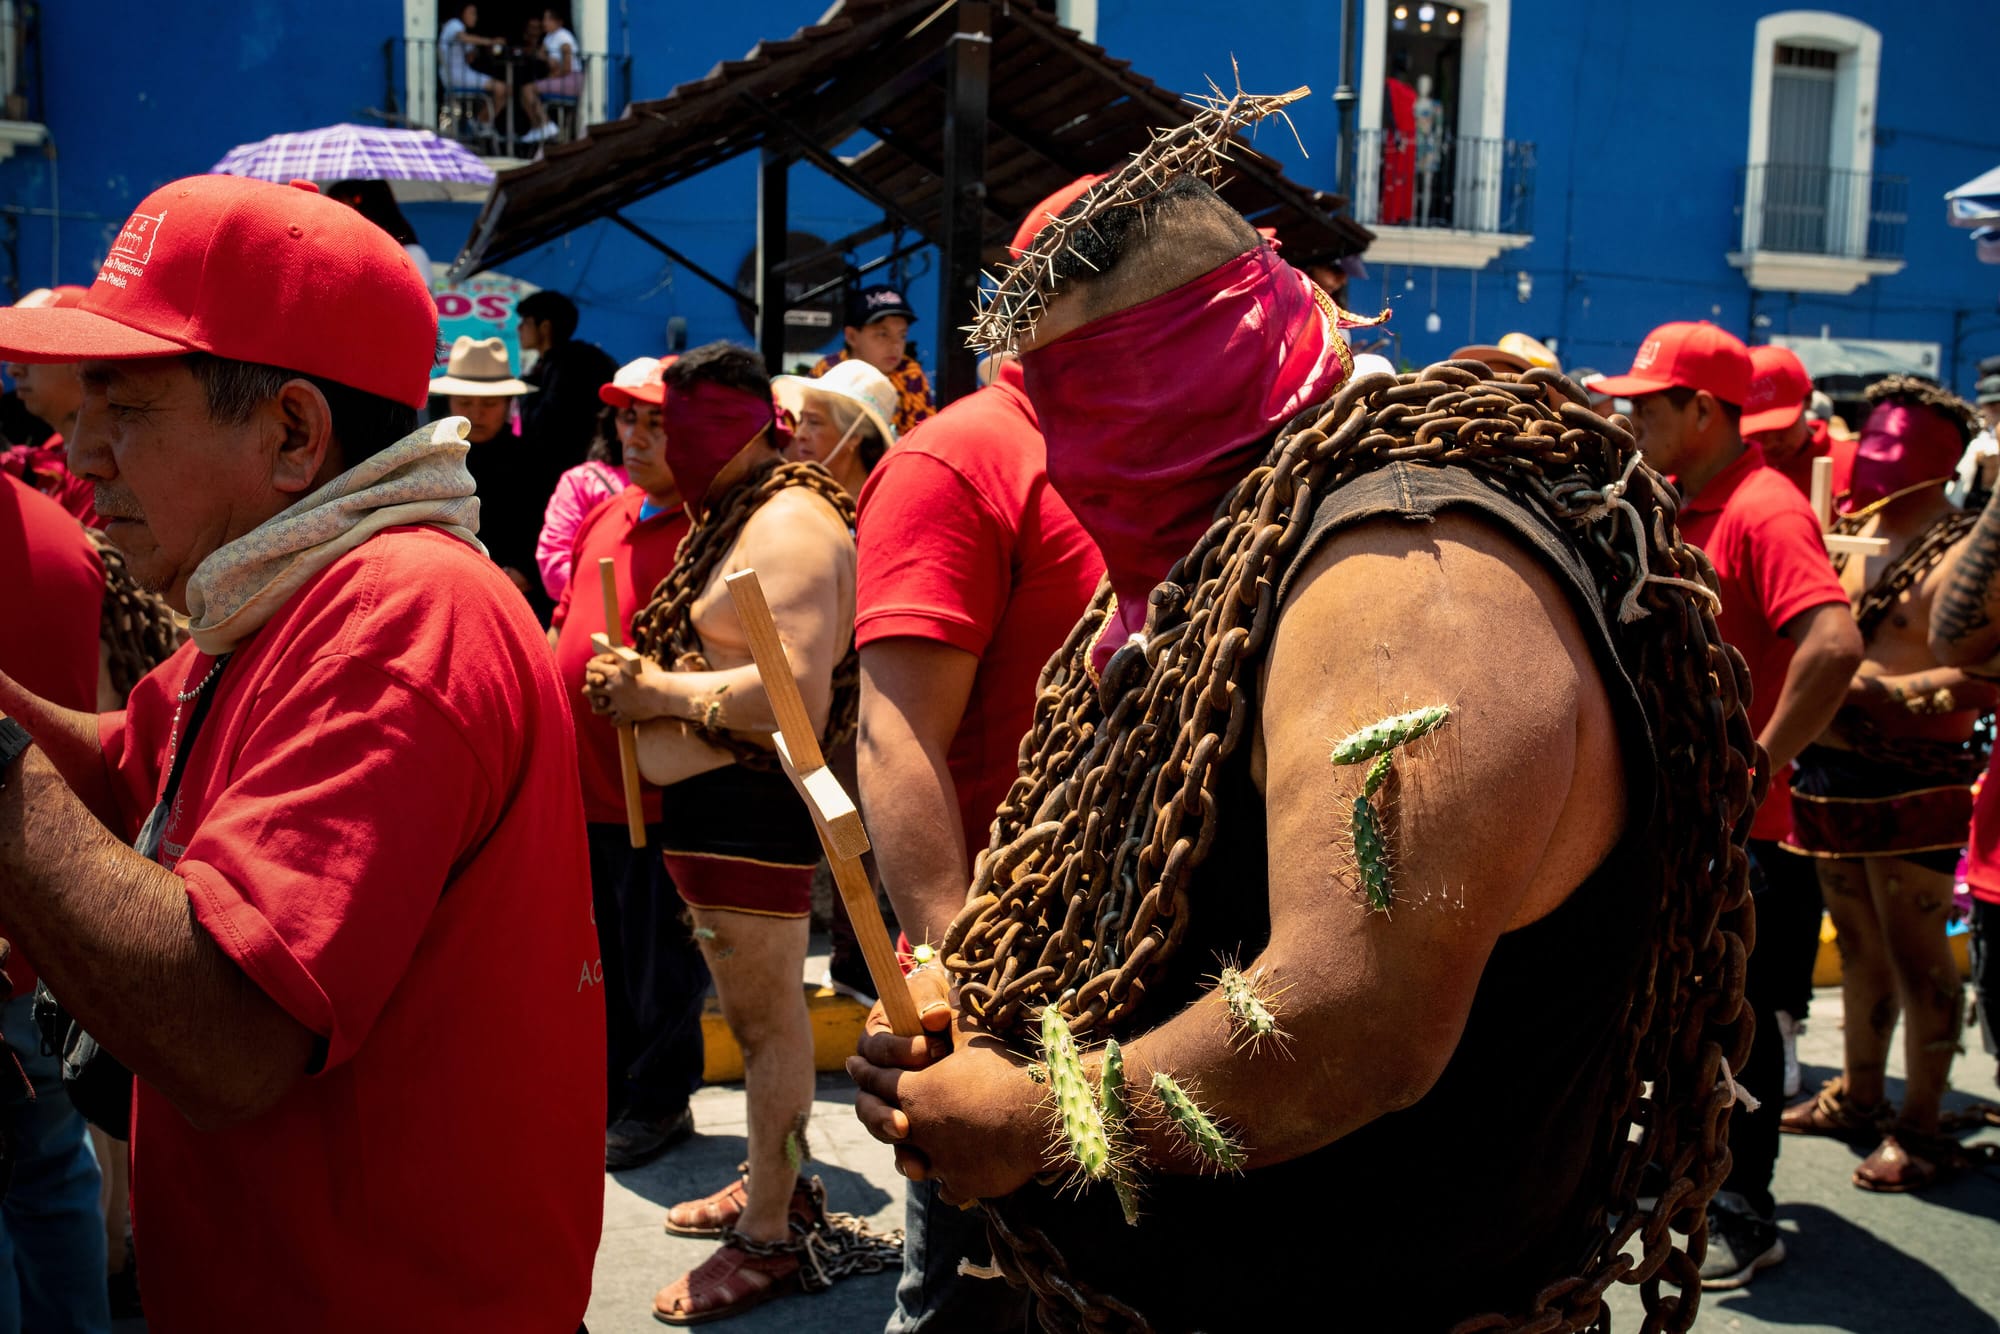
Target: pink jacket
[578,492]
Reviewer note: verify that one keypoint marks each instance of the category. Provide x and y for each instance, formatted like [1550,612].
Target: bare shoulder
[797,519]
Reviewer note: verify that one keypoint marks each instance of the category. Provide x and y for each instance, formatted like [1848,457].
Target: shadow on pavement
[1842,1276]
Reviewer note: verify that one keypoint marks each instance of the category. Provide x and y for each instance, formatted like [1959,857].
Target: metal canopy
[988,104]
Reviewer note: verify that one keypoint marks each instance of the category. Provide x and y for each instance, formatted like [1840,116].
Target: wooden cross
[1822,503]
[612,641]
[833,814]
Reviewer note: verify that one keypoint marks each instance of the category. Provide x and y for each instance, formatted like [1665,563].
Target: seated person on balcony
[455,43]
[565,77]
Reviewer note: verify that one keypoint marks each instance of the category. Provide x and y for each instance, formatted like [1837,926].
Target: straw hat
[479,367]
[1514,352]
[854,380]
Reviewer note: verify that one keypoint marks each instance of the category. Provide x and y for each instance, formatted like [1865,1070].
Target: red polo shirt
[50,601]
[963,541]
[1821,445]
[1771,562]
[379,823]
[641,552]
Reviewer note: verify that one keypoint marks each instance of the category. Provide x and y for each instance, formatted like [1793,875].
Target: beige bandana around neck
[421,479]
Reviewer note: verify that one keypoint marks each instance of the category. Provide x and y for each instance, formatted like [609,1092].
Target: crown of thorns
[1014,298]
[1919,392]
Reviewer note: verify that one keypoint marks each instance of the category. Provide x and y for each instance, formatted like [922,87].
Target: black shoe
[633,1143]
[848,975]
[1739,1244]
[124,1287]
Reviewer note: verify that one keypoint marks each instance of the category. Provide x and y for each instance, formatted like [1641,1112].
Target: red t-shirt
[50,601]
[379,823]
[1771,562]
[641,552]
[963,541]
[1982,848]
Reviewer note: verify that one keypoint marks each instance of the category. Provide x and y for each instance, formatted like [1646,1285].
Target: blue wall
[1639,114]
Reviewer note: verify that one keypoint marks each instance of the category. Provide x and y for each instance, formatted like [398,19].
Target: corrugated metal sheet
[1060,107]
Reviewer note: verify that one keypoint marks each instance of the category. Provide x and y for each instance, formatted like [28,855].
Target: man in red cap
[971,571]
[1786,612]
[1179,866]
[1775,420]
[654,980]
[740,846]
[1883,800]
[320,946]
[51,394]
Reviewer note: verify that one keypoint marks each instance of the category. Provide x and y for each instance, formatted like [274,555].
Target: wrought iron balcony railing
[1444,181]
[500,102]
[1809,210]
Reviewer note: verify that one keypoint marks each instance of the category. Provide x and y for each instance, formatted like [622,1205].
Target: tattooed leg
[1911,902]
[1867,986]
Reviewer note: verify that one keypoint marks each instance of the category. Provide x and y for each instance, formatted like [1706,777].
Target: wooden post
[628,737]
[1822,503]
[840,830]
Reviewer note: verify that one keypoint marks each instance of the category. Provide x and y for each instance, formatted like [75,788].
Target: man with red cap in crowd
[1786,612]
[355,888]
[1883,800]
[51,395]
[52,1237]
[654,979]
[739,844]
[1177,864]
[971,571]
[1775,420]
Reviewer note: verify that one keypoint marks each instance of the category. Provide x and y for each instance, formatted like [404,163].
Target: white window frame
[1080,15]
[1482,114]
[590,19]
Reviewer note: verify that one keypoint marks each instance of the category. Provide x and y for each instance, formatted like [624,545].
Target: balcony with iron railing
[502,103]
[1818,229]
[1443,199]
[20,76]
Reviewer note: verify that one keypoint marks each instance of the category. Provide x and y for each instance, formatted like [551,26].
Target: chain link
[663,629]
[1081,898]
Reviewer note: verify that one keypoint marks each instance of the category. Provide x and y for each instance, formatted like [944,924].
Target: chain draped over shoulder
[1082,897]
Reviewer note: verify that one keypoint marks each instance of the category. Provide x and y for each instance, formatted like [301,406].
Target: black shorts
[740,840]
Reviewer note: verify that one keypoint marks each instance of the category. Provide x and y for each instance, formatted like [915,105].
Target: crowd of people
[319,825]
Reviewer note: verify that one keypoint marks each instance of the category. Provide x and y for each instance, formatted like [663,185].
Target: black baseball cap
[868,304]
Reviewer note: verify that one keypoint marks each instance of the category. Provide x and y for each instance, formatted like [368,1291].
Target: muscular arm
[913,696]
[69,741]
[116,936]
[1829,650]
[1964,632]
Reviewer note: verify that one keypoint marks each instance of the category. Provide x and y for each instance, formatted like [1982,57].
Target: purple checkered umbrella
[355,152]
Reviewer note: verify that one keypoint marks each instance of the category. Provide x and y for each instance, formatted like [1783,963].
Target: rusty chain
[1081,897]
[137,627]
[663,629]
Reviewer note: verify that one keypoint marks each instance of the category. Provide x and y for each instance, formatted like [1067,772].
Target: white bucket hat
[854,380]
[479,367]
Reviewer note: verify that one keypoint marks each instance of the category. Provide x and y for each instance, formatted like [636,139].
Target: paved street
[1859,1263]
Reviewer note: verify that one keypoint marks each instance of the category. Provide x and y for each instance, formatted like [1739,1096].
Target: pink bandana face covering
[1901,446]
[707,426]
[1154,412]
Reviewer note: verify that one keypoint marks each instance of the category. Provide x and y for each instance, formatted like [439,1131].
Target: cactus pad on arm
[1078,1116]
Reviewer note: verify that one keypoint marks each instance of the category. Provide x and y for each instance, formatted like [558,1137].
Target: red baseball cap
[1685,356]
[1779,390]
[637,381]
[1046,212]
[250,271]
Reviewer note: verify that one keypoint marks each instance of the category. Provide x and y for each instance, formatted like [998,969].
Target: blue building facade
[1575,171]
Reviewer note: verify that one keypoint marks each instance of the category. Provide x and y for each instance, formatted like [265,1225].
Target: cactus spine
[1208,1139]
[1249,1012]
[1077,1113]
[1117,1111]
[1379,742]
[1371,856]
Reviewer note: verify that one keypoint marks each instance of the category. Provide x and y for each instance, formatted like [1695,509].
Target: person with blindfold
[739,844]
[1176,816]
[1883,799]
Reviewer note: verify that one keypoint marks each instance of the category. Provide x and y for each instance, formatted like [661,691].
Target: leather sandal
[733,1280]
[1908,1161]
[714,1215]
[1832,1113]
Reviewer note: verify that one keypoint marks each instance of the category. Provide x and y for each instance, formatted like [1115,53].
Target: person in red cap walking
[1775,420]
[1786,612]
[654,979]
[739,843]
[971,571]
[1883,800]
[355,888]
